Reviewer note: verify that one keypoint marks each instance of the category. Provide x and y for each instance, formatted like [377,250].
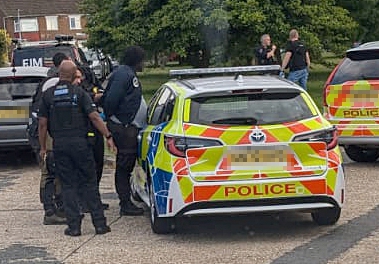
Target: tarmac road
[285,238]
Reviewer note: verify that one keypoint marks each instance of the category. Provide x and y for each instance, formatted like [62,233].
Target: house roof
[9,8]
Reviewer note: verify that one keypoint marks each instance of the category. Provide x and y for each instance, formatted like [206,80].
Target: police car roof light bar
[225,70]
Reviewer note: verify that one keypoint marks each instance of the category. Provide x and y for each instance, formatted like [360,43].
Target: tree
[321,24]
[5,42]
[366,13]
[215,31]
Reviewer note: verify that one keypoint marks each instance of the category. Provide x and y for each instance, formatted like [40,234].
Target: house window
[26,25]
[51,22]
[75,22]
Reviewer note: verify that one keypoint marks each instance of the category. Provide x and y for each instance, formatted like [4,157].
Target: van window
[43,55]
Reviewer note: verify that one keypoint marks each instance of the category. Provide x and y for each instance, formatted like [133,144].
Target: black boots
[52,218]
[70,231]
[128,208]
[100,230]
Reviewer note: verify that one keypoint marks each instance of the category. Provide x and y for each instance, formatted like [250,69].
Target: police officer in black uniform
[125,110]
[85,80]
[65,112]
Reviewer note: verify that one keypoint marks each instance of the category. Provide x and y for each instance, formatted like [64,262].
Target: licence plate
[250,158]
[14,113]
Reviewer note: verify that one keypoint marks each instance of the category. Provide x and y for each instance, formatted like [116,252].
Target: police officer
[65,111]
[297,60]
[50,187]
[84,79]
[266,54]
[125,110]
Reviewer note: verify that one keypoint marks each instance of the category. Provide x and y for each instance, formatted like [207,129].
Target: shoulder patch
[135,82]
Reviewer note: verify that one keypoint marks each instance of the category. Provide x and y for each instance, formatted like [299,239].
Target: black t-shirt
[298,57]
[261,56]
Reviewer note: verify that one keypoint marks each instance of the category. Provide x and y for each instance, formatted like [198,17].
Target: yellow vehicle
[351,102]
[236,143]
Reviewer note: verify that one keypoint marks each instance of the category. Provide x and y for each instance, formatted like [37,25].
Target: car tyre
[359,154]
[327,216]
[159,225]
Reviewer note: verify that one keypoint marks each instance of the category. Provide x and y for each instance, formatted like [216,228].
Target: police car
[351,102]
[236,143]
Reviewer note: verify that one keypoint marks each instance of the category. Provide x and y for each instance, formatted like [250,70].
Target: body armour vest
[66,116]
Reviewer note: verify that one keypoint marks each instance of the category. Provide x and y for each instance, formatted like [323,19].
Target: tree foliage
[215,31]
[366,13]
[5,42]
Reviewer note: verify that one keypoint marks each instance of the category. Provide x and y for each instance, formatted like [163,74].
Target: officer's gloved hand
[281,74]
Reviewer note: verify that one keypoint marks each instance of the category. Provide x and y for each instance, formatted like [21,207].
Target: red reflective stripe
[213,133]
[204,193]
[315,187]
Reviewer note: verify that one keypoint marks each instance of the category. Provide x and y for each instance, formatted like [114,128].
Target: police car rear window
[39,56]
[249,109]
[355,70]
[18,87]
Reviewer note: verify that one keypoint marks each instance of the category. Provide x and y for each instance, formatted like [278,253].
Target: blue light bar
[224,70]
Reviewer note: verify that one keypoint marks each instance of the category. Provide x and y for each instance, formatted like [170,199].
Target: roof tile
[9,8]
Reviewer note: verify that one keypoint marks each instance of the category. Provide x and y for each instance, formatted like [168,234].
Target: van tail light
[177,146]
[329,136]
[327,83]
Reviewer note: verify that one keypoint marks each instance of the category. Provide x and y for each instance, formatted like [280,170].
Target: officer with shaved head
[65,112]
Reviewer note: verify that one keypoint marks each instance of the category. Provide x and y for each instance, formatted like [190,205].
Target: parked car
[351,102]
[17,86]
[40,53]
[236,144]
[100,63]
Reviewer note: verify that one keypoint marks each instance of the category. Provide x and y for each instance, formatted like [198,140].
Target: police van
[40,53]
[351,102]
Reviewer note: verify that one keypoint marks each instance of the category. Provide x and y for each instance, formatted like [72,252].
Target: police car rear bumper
[304,204]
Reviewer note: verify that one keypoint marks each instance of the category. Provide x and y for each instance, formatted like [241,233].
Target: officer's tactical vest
[66,116]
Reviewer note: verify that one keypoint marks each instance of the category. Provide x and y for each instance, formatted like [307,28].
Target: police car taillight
[329,136]
[177,146]
[327,83]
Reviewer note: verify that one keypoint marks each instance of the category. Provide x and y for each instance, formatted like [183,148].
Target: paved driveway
[284,238]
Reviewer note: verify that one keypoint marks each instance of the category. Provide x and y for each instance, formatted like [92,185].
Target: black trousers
[50,188]
[125,139]
[97,143]
[75,167]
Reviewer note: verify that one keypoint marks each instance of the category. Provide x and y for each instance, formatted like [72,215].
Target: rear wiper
[369,77]
[236,120]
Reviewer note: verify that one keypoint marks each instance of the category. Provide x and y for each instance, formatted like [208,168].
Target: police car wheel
[159,225]
[359,154]
[326,216]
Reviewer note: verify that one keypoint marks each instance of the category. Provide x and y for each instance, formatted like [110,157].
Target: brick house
[40,20]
